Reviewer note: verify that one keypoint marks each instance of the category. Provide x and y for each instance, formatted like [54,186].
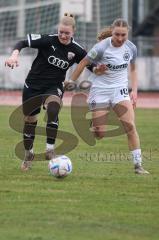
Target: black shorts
[33,99]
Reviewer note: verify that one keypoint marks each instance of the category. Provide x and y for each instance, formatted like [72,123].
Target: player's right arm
[33,41]
[13,60]
[93,56]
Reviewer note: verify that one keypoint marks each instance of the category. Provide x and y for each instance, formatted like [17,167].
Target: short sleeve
[81,54]
[96,53]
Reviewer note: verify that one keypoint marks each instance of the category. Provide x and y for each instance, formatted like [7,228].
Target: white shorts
[105,98]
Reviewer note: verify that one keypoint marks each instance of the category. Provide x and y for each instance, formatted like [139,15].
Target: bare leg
[125,113]
[99,120]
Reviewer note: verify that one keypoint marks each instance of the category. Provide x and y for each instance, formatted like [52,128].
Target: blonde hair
[104,33]
[68,20]
[119,22]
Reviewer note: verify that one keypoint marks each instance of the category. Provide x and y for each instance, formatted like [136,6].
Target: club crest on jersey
[126,56]
[70,55]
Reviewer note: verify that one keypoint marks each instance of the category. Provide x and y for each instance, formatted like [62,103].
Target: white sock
[136,155]
[50,146]
[28,151]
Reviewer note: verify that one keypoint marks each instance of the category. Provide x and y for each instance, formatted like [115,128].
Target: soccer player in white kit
[110,89]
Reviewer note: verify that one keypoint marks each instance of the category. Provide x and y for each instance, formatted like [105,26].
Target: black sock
[52,121]
[51,132]
[29,134]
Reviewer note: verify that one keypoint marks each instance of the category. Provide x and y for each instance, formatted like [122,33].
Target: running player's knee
[99,133]
[53,109]
[30,119]
[129,127]
[52,98]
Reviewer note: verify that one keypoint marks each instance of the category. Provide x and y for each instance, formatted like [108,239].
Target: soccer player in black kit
[44,83]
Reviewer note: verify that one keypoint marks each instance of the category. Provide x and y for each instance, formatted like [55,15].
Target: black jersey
[52,61]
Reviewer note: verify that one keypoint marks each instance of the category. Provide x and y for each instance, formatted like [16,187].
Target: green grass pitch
[101,199]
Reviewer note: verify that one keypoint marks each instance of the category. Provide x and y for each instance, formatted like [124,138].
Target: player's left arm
[133,76]
[134,84]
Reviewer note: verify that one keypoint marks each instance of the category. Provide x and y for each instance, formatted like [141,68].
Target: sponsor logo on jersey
[117,67]
[109,57]
[35,36]
[126,56]
[57,62]
[92,54]
[70,55]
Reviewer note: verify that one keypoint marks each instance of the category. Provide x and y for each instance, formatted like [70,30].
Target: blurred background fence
[19,17]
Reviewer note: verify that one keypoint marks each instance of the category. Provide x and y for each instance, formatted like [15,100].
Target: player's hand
[133,97]
[12,62]
[100,69]
[69,85]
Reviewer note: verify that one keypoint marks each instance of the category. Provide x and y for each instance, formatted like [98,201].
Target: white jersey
[117,60]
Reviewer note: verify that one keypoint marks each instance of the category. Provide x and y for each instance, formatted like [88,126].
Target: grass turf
[101,199]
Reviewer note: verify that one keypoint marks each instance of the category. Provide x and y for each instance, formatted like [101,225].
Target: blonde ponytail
[68,20]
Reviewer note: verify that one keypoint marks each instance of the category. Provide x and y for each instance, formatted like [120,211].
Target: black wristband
[91,66]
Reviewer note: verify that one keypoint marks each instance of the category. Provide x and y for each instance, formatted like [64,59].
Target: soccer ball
[60,166]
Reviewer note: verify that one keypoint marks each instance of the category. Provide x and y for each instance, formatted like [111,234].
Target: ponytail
[68,20]
[104,33]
